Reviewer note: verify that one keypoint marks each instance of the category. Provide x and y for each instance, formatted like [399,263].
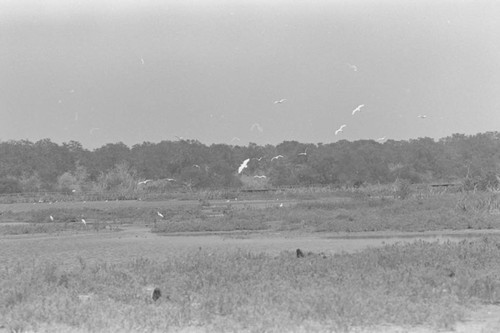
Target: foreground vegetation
[421,283]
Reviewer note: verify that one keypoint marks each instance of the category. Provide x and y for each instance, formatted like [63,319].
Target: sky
[107,71]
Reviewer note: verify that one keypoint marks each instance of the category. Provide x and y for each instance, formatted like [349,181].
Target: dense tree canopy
[44,165]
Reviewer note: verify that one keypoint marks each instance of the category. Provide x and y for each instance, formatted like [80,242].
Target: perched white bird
[84,222]
[51,218]
[144,182]
[422,116]
[276,157]
[160,214]
[256,126]
[283,100]
[304,153]
[357,109]
[243,165]
[341,129]
[260,176]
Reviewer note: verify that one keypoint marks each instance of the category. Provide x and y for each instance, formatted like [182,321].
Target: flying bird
[196,166]
[259,176]
[243,165]
[93,129]
[160,214]
[283,100]
[235,139]
[170,180]
[341,129]
[142,61]
[84,222]
[357,109]
[256,126]
[276,157]
[304,153]
[353,67]
[144,182]
[51,218]
[381,139]
[422,116]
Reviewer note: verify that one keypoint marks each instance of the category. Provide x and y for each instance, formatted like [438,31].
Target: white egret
[144,182]
[243,165]
[51,218]
[260,176]
[353,67]
[276,157]
[381,139]
[304,153]
[160,214]
[422,116]
[357,109]
[283,100]
[341,129]
[256,126]
[170,180]
[84,222]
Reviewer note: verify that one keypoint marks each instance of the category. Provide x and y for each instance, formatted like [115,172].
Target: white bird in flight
[170,180]
[144,182]
[304,153]
[51,218]
[276,157]
[357,109]
[84,222]
[160,214]
[235,139]
[341,129]
[196,166]
[381,139]
[257,126]
[283,100]
[243,165]
[353,67]
[142,61]
[259,176]
[422,116]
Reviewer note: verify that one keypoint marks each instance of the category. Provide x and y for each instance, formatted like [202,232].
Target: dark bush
[10,185]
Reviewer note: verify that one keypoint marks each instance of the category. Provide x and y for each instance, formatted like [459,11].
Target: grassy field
[354,213]
[428,283]
[228,288]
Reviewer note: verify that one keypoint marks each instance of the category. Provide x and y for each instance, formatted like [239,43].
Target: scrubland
[417,283]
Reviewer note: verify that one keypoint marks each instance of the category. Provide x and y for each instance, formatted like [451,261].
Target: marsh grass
[349,214]
[419,283]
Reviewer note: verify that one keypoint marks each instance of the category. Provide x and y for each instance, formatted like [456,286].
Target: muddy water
[116,247]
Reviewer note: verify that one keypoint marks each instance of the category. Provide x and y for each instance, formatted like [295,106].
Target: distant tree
[10,185]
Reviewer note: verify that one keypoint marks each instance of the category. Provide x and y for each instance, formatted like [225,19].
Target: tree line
[47,166]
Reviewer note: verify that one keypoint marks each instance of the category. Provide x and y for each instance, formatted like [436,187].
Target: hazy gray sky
[102,71]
